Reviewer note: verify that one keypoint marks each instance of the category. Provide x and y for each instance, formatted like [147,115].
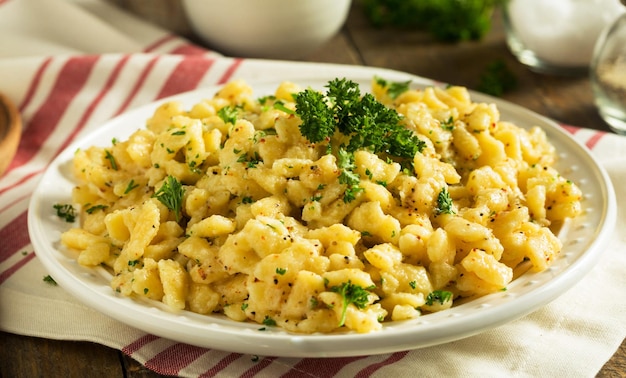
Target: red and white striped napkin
[65,89]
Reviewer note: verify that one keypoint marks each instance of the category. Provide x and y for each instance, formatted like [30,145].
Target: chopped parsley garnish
[351,294]
[251,162]
[49,280]
[247,200]
[259,135]
[444,202]
[228,114]
[133,262]
[269,321]
[66,212]
[440,296]
[314,302]
[263,100]
[131,185]
[171,195]
[348,177]
[394,88]
[92,209]
[281,271]
[316,198]
[413,284]
[448,124]
[111,159]
[181,132]
[279,105]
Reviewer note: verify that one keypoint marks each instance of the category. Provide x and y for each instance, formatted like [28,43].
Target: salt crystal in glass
[557,36]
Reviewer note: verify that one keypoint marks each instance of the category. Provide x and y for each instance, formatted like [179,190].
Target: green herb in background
[497,79]
[446,20]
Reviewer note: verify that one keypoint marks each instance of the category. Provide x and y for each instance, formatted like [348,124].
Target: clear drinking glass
[557,36]
[608,75]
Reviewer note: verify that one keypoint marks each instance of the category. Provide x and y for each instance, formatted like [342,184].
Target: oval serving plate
[583,242]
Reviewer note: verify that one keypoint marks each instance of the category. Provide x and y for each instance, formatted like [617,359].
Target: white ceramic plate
[583,244]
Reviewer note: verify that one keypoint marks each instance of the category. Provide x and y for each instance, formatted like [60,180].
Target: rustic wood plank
[22,356]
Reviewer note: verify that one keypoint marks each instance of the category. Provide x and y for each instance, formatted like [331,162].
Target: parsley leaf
[444,202]
[269,321]
[49,280]
[228,114]
[348,177]
[65,211]
[111,159]
[131,185]
[394,88]
[171,195]
[447,124]
[279,105]
[94,208]
[441,296]
[318,122]
[351,294]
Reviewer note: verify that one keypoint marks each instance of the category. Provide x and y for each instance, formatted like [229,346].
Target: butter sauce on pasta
[259,228]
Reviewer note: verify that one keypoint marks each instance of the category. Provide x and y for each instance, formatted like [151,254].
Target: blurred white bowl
[277,29]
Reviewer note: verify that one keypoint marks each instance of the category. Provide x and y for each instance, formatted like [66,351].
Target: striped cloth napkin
[67,95]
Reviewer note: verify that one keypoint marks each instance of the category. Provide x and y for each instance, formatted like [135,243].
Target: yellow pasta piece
[174,279]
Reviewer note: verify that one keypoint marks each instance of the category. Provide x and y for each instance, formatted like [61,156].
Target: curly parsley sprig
[351,294]
[369,124]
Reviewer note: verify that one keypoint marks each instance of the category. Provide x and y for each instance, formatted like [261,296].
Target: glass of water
[608,75]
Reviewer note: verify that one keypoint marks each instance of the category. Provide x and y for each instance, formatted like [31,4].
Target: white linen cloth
[66,84]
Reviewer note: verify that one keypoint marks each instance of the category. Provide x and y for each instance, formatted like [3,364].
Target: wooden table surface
[565,99]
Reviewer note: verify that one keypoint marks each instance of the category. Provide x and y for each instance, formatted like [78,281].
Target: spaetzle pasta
[227,208]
